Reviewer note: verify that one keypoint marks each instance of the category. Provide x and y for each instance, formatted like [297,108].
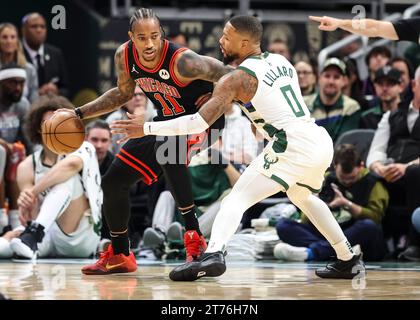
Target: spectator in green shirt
[333,110]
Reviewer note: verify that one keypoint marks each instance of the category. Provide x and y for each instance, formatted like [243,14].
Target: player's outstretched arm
[230,88]
[135,127]
[364,27]
[115,97]
[237,85]
[191,66]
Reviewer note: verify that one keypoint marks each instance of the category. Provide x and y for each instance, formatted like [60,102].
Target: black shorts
[146,155]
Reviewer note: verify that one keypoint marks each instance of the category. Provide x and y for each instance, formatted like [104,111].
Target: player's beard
[229,58]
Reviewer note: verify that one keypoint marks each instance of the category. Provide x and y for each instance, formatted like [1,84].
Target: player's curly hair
[40,106]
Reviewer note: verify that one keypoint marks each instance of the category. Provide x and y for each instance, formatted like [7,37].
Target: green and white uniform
[299,151]
[294,160]
[83,242]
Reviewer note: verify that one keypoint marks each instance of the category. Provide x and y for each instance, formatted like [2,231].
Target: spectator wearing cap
[333,110]
[377,58]
[394,155]
[48,59]
[388,89]
[407,74]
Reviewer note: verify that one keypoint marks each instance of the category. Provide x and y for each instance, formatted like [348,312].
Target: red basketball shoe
[195,245]
[111,263]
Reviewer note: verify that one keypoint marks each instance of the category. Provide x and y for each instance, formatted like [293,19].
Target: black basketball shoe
[340,269]
[26,245]
[207,265]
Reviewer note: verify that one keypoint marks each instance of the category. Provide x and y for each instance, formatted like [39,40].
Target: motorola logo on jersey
[164,74]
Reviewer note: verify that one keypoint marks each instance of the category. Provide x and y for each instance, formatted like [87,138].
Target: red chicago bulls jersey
[171,97]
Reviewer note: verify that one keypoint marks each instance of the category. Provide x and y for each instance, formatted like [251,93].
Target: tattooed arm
[237,85]
[192,66]
[115,97]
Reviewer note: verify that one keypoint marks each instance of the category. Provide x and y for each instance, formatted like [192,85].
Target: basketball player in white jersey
[60,199]
[294,160]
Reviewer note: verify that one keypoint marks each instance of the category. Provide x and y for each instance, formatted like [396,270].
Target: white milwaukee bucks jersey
[279,112]
[278,103]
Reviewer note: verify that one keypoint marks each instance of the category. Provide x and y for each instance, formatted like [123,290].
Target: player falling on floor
[173,78]
[60,197]
[294,160]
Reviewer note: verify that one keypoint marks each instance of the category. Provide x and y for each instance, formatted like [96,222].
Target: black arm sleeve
[408,29]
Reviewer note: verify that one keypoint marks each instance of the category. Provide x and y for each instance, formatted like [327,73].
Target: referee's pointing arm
[403,29]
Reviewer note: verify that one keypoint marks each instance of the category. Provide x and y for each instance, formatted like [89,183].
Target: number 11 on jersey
[175,108]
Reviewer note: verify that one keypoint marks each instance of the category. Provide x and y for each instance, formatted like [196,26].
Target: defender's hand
[130,128]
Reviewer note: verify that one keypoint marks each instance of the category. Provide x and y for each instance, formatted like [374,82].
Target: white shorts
[308,155]
[79,244]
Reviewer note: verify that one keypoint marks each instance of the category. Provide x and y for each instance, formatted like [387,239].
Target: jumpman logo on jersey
[134,69]
[191,234]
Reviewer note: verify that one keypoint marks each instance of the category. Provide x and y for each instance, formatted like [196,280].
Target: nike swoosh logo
[113,266]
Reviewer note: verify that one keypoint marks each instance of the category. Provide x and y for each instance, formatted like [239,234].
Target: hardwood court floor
[269,280]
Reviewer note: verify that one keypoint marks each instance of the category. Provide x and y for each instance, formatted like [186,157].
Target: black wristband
[78,113]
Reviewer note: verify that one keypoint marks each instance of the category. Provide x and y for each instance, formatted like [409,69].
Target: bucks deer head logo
[268,162]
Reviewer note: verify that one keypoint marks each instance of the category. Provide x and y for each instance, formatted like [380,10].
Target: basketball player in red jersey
[173,78]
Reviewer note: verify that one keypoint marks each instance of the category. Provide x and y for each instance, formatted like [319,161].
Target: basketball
[63,133]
